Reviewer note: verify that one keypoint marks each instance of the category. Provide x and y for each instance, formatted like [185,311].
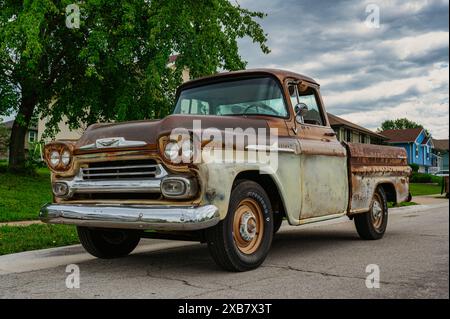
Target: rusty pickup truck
[194,175]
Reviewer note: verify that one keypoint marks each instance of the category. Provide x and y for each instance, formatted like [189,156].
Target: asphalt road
[325,260]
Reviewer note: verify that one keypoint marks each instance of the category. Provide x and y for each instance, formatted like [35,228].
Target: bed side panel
[371,165]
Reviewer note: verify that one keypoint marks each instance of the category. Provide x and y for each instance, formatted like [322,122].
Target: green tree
[398,124]
[113,65]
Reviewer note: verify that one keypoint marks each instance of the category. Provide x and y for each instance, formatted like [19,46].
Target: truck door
[323,160]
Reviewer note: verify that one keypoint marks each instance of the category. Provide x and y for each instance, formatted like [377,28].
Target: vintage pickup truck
[124,181]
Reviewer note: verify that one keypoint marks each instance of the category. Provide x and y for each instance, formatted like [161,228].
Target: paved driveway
[325,260]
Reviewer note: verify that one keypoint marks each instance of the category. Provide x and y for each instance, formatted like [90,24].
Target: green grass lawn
[15,239]
[21,196]
[391,205]
[417,189]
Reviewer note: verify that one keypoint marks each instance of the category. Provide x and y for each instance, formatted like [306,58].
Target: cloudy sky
[367,74]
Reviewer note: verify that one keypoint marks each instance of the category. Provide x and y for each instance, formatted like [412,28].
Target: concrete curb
[417,208]
[21,223]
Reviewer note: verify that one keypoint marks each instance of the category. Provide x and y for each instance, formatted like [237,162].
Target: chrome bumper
[132,217]
[113,186]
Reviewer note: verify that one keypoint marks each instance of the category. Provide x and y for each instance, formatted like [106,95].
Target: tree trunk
[19,132]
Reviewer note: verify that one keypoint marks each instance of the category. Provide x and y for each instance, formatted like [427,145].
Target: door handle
[330,134]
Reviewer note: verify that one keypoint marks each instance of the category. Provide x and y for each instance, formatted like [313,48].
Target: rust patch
[373,165]
[376,155]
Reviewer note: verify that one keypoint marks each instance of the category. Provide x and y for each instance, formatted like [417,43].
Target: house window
[362,138]
[338,135]
[32,136]
[417,150]
[348,135]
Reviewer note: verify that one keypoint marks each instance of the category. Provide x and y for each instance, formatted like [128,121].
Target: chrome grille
[113,170]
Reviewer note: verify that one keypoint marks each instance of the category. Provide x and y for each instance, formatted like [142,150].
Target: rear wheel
[242,240]
[372,225]
[108,243]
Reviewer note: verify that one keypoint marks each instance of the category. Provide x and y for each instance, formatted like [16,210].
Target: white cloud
[391,88]
[328,59]
[417,46]
[431,116]
[430,108]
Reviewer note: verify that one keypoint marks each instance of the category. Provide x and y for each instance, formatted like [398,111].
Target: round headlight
[172,151]
[55,158]
[65,158]
[187,150]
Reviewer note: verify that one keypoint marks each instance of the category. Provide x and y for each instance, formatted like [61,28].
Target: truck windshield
[255,96]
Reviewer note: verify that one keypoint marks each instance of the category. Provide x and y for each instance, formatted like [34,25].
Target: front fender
[217,182]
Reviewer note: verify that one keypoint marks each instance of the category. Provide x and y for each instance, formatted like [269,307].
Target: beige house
[65,133]
[185,74]
[30,137]
[347,131]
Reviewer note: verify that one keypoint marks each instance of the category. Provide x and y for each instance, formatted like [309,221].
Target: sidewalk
[21,223]
[430,199]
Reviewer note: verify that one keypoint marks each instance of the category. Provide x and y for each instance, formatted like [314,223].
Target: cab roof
[279,74]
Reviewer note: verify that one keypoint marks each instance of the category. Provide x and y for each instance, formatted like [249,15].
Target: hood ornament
[112,142]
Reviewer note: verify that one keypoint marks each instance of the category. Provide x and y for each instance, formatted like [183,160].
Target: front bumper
[132,216]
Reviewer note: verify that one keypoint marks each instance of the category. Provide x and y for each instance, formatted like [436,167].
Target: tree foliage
[114,66]
[399,124]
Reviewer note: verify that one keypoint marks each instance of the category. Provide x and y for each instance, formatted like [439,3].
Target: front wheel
[108,243]
[277,221]
[372,225]
[242,240]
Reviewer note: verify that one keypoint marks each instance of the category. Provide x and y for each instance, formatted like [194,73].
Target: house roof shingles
[338,121]
[399,136]
[9,124]
[426,140]
[440,145]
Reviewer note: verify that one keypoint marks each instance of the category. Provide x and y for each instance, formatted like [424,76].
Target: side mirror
[301,109]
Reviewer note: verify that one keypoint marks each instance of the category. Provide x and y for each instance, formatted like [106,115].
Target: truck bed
[371,166]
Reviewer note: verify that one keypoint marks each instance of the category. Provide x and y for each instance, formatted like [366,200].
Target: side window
[362,138]
[308,96]
[348,135]
[32,136]
[193,106]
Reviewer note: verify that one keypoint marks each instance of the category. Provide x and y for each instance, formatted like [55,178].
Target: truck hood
[149,131]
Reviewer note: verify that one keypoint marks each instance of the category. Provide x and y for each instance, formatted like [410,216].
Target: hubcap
[248,226]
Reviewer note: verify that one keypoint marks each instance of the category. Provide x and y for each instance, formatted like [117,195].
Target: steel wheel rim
[248,226]
[377,212]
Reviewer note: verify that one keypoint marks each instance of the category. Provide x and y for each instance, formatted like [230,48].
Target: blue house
[418,145]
